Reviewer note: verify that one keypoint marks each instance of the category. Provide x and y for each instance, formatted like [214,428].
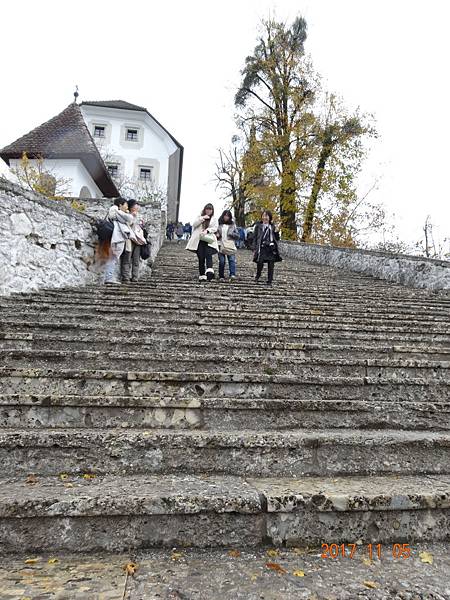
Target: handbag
[209,238]
[105,229]
[227,247]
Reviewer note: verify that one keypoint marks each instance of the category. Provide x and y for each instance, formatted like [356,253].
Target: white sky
[182,61]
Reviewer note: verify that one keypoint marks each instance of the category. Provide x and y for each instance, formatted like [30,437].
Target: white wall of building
[152,148]
[72,170]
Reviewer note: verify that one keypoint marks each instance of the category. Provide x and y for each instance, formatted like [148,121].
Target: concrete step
[245,452]
[220,414]
[397,369]
[123,513]
[358,349]
[218,384]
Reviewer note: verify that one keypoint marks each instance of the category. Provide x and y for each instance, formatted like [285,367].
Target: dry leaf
[276,567]
[253,577]
[64,476]
[68,485]
[130,568]
[273,553]
[176,555]
[234,553]
[426,557]
[299,551]
[31,479]
[370,584]
[299,573]
[88,476]
[367,562]
[52,561]
[31,561]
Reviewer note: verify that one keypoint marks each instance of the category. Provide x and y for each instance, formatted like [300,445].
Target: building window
[132,135]
[99,131]
[113,170]
[145,173]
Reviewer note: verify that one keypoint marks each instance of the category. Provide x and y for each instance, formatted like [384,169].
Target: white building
[136,148]
[106,149]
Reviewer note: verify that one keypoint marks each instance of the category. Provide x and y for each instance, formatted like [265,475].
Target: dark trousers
[270,269]
[205,257]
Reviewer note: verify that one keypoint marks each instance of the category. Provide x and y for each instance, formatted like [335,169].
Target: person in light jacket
[122,220]
[205,226]
[266,246]
[130,259]
[227,235]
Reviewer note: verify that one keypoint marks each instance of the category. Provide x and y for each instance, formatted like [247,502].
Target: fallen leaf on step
[273,553]
[299,551]
[370,584]
[367,562]
[31,561]
[31,479]
[276,567]
[176,555]
[426,557]
[234,553]
[64,476]
[253,577]
[88,476]
[68,485]
[130,568]
[52,561]
[299,573]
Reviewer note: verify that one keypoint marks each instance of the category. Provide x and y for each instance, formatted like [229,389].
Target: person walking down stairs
[266,246]
[204,242]
[120,240]
[227,234]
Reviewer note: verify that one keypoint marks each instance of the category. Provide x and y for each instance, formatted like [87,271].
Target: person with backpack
[227,235]
[203,242]
[130,259]
[265,246]
[179,232]
[120,241]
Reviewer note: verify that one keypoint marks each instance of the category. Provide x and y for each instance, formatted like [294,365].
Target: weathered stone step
[220,327]
[245,452]
[233,317]
[400,369]
[161,305]
[237,347]
[216,414]
[218,384]
[251,297]
[133,512]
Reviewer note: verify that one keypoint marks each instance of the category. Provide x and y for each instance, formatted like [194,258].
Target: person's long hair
[230,218]
[205,208]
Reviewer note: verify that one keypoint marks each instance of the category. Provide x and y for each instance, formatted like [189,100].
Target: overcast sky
[182,61]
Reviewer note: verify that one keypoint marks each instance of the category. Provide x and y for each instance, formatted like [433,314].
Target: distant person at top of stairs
[227,235]
[180,232]
[266,246]
[130,259]
[204,242]
[120,240]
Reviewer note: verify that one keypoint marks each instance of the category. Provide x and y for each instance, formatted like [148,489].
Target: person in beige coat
[204,242]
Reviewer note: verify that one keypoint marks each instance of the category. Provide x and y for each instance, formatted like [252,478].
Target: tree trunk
[239,209]
[317,185]
[288,205]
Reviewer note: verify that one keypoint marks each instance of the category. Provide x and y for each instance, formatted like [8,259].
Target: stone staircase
[225,414]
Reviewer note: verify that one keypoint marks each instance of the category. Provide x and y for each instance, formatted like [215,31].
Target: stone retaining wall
[48,244]
[407,270]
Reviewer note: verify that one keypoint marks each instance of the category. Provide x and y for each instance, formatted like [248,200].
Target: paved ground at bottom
[267,574]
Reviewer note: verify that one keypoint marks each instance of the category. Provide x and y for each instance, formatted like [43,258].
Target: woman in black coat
[266,246]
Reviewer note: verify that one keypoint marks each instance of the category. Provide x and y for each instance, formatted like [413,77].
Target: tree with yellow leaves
[33,175]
